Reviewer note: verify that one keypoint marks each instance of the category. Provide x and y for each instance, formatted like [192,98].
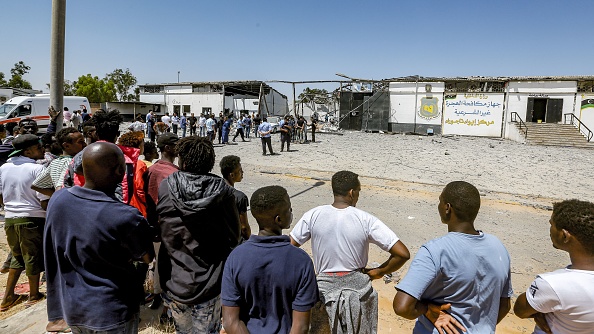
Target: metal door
[529,109]
[554,111]
[376,110]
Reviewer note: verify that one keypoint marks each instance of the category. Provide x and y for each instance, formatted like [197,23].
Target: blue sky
[302,40]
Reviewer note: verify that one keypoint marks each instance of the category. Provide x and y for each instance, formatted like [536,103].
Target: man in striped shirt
[52,178]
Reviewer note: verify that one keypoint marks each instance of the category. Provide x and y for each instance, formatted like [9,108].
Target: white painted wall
[585,115]
[542,86]
[473,114]
[520,91]
[402,102]
[152,98]
[183,95]
[185,89]
[197,101]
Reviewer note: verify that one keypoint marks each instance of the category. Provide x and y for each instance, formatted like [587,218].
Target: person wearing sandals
[25,217]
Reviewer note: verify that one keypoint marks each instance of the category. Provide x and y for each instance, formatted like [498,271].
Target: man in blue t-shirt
[269,286]
[90,239]
[460,281]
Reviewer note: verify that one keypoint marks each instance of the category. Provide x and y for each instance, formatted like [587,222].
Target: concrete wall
[584,109]
[429,106]
[473,114]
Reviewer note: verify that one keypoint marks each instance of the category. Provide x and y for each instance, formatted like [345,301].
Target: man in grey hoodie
[199,228]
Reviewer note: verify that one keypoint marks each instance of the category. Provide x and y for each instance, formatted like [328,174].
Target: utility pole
[57,59]
[294,102]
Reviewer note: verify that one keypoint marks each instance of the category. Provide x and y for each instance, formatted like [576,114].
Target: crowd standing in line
[112,215]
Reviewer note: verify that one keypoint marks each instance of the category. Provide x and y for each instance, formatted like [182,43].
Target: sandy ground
[402,176]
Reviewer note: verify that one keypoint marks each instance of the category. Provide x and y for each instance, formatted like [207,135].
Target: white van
[35,107]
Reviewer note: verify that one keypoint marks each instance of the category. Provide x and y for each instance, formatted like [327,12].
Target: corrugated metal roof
[501,79]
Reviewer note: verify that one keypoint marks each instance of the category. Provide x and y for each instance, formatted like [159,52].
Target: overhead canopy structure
[251,88]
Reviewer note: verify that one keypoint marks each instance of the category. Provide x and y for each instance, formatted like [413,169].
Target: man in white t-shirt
[25,218]
[167,120]
[202,125]
[67,116]
[340,235]
[562,301]
[175,122]
[211,128]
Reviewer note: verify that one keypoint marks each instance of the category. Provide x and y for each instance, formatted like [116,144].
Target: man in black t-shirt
[232,173]
[299,127]
[193,120]
[257,121]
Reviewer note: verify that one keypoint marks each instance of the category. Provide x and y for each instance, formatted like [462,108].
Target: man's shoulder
[566,275]
[318,210]
[238,193]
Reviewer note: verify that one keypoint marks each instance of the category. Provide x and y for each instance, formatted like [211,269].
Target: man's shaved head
[104,166]
[464,198]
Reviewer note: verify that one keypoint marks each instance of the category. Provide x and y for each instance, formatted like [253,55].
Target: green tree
[124,81]
[17,72]
[69,88]
[95,89]
[313,96]
[3,82]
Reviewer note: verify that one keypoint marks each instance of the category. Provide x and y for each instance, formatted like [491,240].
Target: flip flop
[30,303]
[19,299]
[65,330]
[60,326]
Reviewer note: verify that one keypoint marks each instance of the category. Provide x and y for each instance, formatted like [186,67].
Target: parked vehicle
[274,121]
[35,107]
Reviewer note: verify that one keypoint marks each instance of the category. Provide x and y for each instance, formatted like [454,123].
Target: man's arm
[504,307]
[410,308]
[45,191]
[246,230]
[294,243]
[523,309]
[399,254]
[232,323]
[300,323]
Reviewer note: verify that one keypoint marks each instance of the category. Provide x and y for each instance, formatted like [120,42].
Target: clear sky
[302,40]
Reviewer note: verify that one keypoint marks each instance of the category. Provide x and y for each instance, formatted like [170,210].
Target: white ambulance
[35,107]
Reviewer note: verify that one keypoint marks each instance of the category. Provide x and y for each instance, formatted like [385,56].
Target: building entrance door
[544,110]
[536,110]
[554,111]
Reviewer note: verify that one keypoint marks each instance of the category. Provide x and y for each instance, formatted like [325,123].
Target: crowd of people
[292,130]
[99,220]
